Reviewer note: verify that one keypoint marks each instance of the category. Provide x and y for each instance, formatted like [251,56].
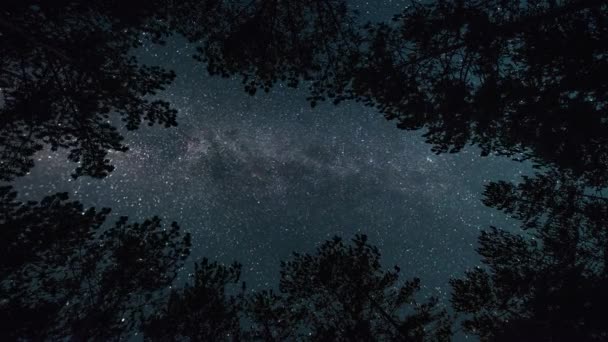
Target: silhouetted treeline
[68,274]
[67,74]
[517,78]
[521,79]
[549,282]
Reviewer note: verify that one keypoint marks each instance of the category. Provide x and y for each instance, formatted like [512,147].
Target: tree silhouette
[67,74]
[341,293]
[201,311]
[516,78]
[546,284]
[67,275]
[267,42]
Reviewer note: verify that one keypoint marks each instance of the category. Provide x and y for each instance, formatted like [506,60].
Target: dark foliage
[515,78]
[67,75]
[65,274]
[273,41]
[341,293]
[518,78]
[201,311]
[548,284]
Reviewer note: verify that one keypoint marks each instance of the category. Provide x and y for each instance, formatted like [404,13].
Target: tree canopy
[341,293]
[68,74]
[66,274]
[549,282]
[515,78]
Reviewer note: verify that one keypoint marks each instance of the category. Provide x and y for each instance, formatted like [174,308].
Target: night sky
[255,178]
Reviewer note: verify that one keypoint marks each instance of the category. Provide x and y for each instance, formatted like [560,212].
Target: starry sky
[254,178]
